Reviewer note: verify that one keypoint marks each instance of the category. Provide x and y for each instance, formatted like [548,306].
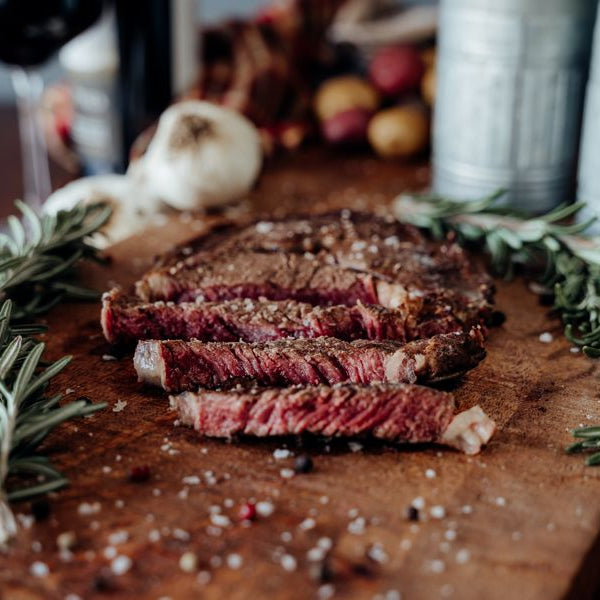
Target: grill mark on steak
[177,365]
[401,413]
[126,319]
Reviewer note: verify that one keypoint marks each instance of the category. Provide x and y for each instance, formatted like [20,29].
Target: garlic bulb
[202,155]
[133,208]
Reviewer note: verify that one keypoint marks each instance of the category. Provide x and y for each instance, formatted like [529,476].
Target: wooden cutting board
[521,520]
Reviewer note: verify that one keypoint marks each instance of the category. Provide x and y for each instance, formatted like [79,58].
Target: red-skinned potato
[399,132]
[340,94]
[347,128]
[395,70]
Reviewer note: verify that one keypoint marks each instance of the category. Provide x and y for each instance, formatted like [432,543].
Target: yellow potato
[399,132]
[428,86]
[344,93]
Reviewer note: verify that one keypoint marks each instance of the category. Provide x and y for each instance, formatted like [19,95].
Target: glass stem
[28,87]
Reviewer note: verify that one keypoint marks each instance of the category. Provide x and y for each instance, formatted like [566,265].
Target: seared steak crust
[177,365]
[339,258]
[125,320]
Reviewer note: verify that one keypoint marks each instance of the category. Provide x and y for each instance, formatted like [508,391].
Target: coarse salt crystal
[405,544]
[183,494]
[418,503]
[119,503]
[500,501]
[326,591]
[355,446]
[463,556]
[357,526]
[377,553]
[120,565]
[436,566]
[287,473]
[181,534]
[39,569]
[286,536]
[281,453]
[546,337]
[188,562]
[66,540]
[315,554]
[109,552]
[264,227]
[265,508]
[288,562]
[325,543]
[307,524]
[234,561]
[467,509]
[220,520]
[437,512]
[154,535]
[191,480]
[107,357]
[89,508]
[203,577]
[324,499]
[450,535]
[430,474]
[118,537]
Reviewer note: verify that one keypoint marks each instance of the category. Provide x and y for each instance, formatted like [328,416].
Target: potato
[344,93]
[395,70]
[348,127]
[428,85]
[429,56]
[399,132]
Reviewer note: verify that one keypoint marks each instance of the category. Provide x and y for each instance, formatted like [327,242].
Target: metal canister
[588,180]
[511,77]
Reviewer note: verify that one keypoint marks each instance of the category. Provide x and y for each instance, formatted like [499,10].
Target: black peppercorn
[40,509]
[412,513]
[303,464]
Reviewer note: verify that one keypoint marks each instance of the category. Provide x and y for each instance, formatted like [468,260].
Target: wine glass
[31,31]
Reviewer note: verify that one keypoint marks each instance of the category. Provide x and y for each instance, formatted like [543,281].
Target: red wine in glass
[31,31]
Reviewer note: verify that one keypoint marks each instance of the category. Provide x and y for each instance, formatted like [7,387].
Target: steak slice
[125,320]
[176,365]
[394,412]
[328,259]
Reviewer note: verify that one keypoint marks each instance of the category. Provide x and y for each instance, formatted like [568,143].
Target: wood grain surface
[521,520]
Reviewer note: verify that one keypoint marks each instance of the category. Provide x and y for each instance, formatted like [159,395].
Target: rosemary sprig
[37,260]
[565,263]
[588,441]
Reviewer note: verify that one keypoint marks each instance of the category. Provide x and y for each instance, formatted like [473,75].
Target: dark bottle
[32,30]
[158,59]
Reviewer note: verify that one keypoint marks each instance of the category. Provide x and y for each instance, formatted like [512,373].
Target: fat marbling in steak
[394,412]
[177,365]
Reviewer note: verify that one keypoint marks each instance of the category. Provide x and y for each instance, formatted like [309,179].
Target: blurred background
[491,93]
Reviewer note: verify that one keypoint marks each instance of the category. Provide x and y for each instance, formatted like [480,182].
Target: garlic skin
[201,156]
[133,208]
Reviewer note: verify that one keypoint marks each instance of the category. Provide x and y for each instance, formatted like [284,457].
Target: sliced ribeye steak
[177,365]
[339,258]
[126,319]
[393,412]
